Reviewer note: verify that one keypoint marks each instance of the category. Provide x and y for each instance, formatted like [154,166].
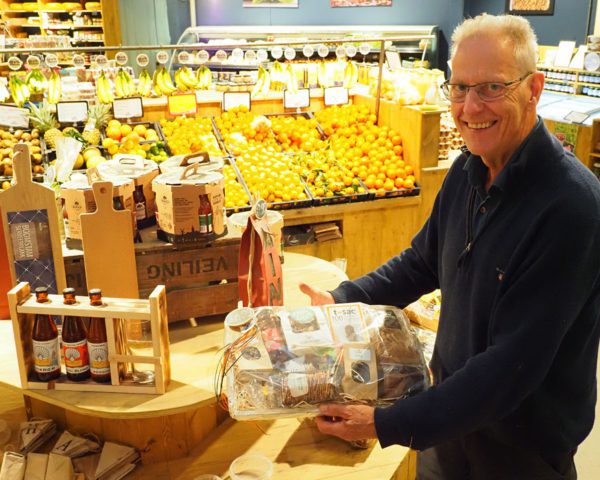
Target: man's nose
[472,100]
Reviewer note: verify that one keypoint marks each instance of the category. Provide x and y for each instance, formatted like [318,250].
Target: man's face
[493,130]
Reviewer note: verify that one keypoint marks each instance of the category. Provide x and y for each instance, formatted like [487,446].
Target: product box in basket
[78,197]
[142,172]
[189,205]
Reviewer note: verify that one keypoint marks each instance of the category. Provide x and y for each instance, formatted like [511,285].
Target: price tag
[262,55]
[51,60]
[162,57]
[289,53]
[33,61]
[102,61]
[300,99]
[121,58]
[125,108]
[576,117]
[340,52]
[237,54]
[335,96]
[78,61]
[142,60]
[277,52]
[323,51]
[183,58]
[308,51]
[235,99]
[250,56]
[15,63]
[202,56]
[72,112]
[393,60]
[351,51]
[364,48]
[221,56]
[184,104]
[14,117]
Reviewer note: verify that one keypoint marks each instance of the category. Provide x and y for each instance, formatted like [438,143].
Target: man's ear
[537,86]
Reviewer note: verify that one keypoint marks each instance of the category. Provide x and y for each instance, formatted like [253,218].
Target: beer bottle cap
[41,294]
[41,290]
[68,291]
[95,291]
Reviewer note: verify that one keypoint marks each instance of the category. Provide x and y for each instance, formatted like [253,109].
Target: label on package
[76,356]
[298,384]
[359,354]
[99,364]
[45,355]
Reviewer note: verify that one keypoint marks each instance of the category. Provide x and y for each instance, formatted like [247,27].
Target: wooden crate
[23,308]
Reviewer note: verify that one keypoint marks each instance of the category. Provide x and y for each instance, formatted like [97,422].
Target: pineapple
[42,117]
[69,129]
[98,117]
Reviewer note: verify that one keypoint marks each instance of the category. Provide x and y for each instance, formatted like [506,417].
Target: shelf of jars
[571,81]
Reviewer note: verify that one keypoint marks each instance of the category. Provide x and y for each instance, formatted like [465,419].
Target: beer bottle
[46,354]
[97,343]
[140,203]
[205,214]
[74,342]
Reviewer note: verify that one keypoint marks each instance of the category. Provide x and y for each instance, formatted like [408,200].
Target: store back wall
[569,21]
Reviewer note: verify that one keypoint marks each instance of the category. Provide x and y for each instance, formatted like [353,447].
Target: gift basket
[282,362]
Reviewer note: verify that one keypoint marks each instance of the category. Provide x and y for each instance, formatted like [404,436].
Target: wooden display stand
[23,308]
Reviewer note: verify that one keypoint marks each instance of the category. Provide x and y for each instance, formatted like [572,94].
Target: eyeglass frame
[444,87]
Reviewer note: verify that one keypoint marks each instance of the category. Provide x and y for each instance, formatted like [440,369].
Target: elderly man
[513,242]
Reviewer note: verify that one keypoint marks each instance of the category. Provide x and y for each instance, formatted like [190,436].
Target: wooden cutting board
[108,252]
[31,228]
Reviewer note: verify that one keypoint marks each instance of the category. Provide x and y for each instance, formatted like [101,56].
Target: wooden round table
[164,427]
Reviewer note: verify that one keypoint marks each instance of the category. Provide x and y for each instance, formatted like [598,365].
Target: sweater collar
[526,160]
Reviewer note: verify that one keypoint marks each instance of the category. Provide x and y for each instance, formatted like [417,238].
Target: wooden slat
[202,301]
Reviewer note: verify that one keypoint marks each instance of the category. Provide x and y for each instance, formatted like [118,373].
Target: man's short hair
[514,29]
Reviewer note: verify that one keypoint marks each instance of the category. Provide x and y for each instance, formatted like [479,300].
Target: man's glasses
[487,91]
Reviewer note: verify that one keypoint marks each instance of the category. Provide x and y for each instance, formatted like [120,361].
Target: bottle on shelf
[46,353]
[140,203]
[97,342]
[205,214]
[74,342]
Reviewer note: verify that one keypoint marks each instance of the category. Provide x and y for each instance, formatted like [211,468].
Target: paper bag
[34,433]
[36,466]
[59,468]
[260,280]
[13,466]
[74,446]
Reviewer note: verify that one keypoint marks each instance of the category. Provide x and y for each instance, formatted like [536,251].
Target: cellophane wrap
[291,360]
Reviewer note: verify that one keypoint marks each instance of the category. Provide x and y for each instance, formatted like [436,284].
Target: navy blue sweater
[517,343]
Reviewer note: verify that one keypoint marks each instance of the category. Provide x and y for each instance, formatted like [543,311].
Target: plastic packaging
[285,362]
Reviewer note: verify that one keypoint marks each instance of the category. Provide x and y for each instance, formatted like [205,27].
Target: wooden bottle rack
[23,307]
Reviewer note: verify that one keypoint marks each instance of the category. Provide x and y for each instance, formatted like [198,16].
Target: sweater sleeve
[560,278]
[403,278]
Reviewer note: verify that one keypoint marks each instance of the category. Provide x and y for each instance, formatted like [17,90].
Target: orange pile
[297,133]
[235,195]
[241,128]
[189,135]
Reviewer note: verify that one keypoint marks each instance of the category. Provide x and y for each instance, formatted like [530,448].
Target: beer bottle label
[99,364]
[206,225]
[46,356]
[140,211]
[76,356]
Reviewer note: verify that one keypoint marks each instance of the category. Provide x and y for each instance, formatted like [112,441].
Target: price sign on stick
[33,61]
[183,58]
[182,104]
[299,99]
[51,60]
[308,51]
[15,63]
[72,112]
[125,108]
[121,58]
[336,96]
[142,60]
[235,99]
[162,57]
[78,61]
[202,56]
[102,61]
[13,117]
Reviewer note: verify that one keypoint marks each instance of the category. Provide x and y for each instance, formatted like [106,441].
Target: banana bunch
[162,82]
[144,87]
[124,86]
[54,88]
[203,78]
[4,93]
[350,75]
[263,82]
[291,82]
[18,90]
[36,81]
[279,77]
[185,79]
[324,74]
[103,89]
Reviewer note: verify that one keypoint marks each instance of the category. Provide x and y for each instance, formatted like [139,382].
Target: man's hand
[349,422]
[317,296]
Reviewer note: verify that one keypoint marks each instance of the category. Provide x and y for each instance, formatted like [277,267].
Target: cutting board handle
[22,164]
[191,158]
[103,194]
